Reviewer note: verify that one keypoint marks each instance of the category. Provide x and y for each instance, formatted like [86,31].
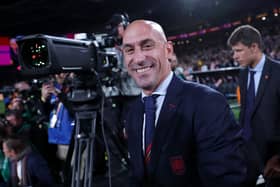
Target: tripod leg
[84,149]
[91,148]
[76,155]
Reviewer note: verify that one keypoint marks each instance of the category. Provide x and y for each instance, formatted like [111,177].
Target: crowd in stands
[216,55]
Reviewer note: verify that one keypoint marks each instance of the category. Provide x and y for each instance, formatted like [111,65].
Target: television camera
[93,66]
[41,55]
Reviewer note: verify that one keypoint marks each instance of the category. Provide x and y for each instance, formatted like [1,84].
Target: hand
[47,89]
[272,168]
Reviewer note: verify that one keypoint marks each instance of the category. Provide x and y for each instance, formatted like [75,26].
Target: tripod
[84,141]
[87,148]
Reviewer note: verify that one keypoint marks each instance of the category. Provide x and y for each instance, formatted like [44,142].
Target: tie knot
[150,102]
[252,73]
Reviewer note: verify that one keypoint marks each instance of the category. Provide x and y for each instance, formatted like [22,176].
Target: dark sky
[21,17]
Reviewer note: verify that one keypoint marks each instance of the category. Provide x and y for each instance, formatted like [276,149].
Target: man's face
[146,55]
[22,86]
[7,152]
[16,104]
[244,55]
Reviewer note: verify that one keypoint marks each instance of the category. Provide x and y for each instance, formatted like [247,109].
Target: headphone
[125,19]
[117,19]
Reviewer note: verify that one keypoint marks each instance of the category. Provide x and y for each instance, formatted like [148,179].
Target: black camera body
[41,55]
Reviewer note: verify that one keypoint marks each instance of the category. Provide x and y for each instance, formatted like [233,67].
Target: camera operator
[127,88]
[117,25]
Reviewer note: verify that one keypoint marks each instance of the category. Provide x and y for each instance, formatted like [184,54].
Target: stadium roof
[21,17]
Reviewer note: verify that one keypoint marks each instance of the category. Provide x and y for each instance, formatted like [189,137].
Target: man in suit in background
[193,140]
[260,104]
[27,167]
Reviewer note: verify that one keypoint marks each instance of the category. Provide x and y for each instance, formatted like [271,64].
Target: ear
[170,50]
[254,47]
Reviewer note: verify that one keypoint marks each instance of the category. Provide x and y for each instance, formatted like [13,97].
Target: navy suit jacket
[37,171]
[265,118]
[196,142]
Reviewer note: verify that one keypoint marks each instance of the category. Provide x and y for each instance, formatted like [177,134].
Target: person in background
[26,99]
[175,138]
[14,51]
[27,167]
[4,161]
[124,85]
[60,120]
[260,104]
[16,125]
[124,89]
[176,68]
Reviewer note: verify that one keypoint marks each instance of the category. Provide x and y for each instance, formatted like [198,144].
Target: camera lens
[35,53]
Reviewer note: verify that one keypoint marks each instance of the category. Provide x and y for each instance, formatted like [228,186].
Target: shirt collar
[259,66]
[162,88]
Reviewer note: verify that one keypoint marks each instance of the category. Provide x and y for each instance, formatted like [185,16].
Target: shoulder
[132,106]
[132,102]
[33,157]
[243,70]
[273,62]
[200,91]
[193,96]
[274,67]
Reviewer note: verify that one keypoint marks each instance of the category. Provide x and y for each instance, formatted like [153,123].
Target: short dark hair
[16,143]
[247,35]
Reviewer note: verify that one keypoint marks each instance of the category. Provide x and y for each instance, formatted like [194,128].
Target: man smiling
[144,56]
[176,138]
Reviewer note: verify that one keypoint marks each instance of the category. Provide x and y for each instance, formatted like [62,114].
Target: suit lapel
[165,124]
[137,126]
[263,82]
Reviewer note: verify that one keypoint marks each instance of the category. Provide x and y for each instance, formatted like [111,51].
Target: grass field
[235,107]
